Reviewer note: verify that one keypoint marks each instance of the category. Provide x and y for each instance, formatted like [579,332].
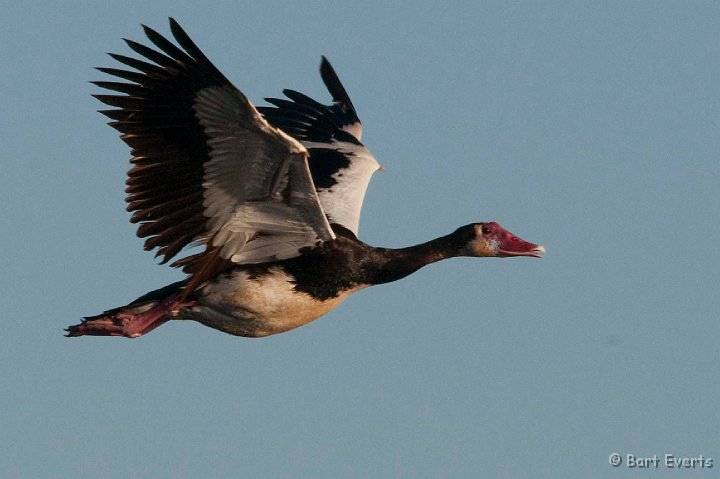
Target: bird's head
[491,239]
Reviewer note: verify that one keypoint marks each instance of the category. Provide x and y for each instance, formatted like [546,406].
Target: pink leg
[125,323]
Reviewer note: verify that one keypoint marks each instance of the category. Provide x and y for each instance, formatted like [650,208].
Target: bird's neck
[393,264]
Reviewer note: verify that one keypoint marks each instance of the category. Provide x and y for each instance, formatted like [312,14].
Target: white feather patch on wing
[343,201]
[257,184]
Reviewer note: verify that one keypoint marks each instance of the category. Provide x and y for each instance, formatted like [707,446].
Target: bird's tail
[137,318]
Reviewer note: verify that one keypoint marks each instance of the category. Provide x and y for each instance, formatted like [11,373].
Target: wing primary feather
[134,77]
[193,50]
[151,54]
[302,98]
[335,87]
[127,88]
[139,65]
[119,101]
[163,44]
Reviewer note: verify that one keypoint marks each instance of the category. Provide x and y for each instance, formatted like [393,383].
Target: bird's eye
[486,230]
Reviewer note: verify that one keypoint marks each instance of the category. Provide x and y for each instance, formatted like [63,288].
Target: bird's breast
[253,305]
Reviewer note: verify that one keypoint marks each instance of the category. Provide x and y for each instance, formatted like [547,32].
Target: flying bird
[270,196]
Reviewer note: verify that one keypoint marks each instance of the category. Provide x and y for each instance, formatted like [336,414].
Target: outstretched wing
[341,166]
[207,168]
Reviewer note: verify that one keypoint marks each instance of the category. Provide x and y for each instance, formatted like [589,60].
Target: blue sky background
[588,127]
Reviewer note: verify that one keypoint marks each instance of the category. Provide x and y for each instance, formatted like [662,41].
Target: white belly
[258,307]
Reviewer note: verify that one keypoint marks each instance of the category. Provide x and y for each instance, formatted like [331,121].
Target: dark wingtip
[335,86]
[149,32]
[176,29]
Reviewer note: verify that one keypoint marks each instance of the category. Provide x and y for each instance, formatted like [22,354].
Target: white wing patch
[343,201]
